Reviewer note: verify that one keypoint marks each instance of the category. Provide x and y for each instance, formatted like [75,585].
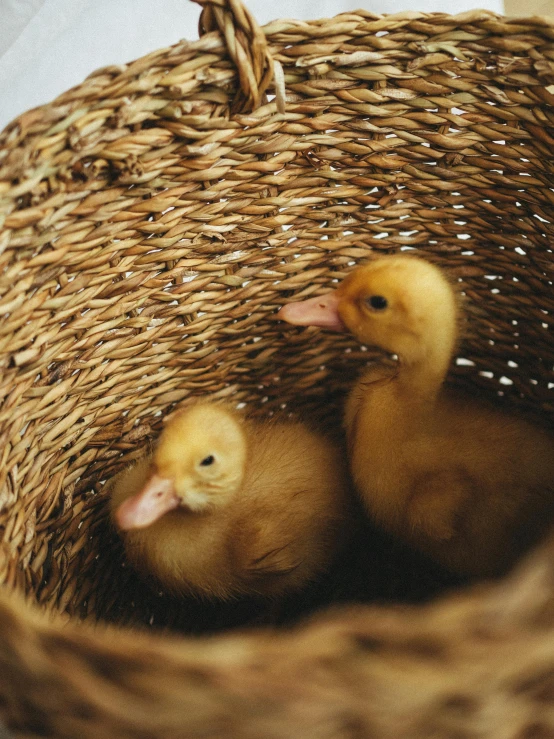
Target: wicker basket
[151,221]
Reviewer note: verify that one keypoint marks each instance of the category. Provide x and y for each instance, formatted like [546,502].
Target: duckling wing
[263,552]
[437,500]
[273,562]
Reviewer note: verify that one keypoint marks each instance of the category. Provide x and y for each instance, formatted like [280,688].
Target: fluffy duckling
[228,506]
[464,482]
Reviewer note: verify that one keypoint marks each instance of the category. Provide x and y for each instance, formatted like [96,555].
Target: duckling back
[294,508]
[509,467]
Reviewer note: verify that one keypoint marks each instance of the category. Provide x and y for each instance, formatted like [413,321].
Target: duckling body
[467,484]
[265,517]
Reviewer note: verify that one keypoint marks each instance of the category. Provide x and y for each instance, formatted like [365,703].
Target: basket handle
[247,47]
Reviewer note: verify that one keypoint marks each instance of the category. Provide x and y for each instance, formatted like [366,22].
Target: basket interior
[149,236]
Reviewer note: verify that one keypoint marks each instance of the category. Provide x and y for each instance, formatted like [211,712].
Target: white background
[48,46]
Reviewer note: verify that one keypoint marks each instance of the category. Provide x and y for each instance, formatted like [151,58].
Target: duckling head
[401,304]
[197,466]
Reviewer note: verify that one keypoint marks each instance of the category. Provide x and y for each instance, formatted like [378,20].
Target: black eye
[377,302]
[207,461]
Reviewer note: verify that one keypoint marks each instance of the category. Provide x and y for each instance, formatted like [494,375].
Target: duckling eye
[377,302]
[207,461]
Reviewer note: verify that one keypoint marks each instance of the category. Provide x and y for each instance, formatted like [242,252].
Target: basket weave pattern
[154,217]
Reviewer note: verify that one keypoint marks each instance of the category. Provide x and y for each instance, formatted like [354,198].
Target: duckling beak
[156,498]
[320,311]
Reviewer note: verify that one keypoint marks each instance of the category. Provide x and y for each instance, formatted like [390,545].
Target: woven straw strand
[247,47]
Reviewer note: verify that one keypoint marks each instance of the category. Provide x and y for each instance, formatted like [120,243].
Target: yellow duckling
[228,506]
[464,482]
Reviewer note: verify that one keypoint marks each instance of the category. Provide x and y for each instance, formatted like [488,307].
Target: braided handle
[247,47]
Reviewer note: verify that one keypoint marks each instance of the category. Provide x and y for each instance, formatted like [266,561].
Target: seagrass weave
[152,220]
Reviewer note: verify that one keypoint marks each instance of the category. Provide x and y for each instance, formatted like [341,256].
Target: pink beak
[321,311]
[156,498]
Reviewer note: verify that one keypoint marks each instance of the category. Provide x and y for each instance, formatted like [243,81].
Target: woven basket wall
[152,220]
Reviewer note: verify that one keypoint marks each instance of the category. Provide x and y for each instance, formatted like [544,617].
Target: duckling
[466,483]
[227,506]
